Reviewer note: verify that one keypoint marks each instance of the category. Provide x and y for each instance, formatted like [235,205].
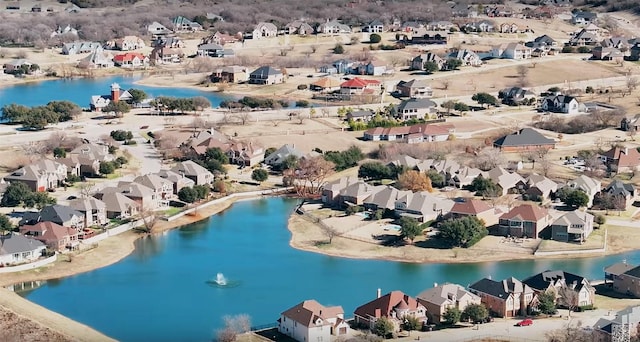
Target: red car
[525,322]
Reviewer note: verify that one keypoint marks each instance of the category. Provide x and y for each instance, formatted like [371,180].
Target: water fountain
[221,281]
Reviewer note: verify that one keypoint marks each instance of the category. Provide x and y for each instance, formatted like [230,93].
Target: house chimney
[379,293]
[115,92]
[626,150]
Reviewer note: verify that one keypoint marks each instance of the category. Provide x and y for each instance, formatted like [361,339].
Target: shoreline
[307,236]
[108,252]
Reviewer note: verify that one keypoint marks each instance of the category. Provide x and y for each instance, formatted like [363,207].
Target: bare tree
[149,219]
[522,71]
[196,123]
[571,333]
[568,297]
[87,189]
[243,117]
[631,83]
[445,83]
[488,158]
[310,175]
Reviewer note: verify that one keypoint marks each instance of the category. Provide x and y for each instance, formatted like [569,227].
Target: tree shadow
[389,240]
[432,243]
[607,291]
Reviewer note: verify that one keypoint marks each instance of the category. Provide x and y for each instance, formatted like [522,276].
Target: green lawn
[173,210]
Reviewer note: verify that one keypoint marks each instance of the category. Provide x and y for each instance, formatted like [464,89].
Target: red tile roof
[308,312]
[382,307]
[470,207]
[358,83]
[127,57]
[624,157]
[526,212]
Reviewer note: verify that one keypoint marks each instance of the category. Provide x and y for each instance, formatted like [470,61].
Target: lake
[160,292]
[80,90]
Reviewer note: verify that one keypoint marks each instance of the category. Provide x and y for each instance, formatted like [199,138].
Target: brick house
[505,298]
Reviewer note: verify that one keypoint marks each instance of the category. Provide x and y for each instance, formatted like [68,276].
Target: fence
[30,265]
[112,232]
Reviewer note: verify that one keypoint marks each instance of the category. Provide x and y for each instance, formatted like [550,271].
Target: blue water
[80,91]
[159,293]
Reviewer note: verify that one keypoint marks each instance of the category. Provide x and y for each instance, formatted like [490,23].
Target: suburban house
[393,306]
[53,235]
[40,176]
[625,192]
[477,208]
[628,282]
[441,25]
[245,154]
[311,321]
[177,180]
[79,47]
[360,115]
[298,27]
[18,249]
[569,289]
[507,181]
[182,24]
[465,176]
[511,51]
[156,29]
[230,74]
[410,134]
[508,28]
[128,43]
[166,55]
[540,187]
[588,185]
[583,17]
[525,139]
[583,38]
[169,42]
[543,42]
[612,272]
[414,89]
[505,298]
[516,96]
[97,59]
[131,60]
[331,190]
[358,86]
[525,220]
[373,68]
[439,299]
[326,84]
[607,54]
[478,26]
[266,75]
[384,199]
[81,166]
[264,30]
[422,206]
[634,52]
[285,151]
[560,104]
[193,171]
[356,193]
[94,210]
[467,57]
[100,101]
[119,206]
[333,27]
[145,197]
[630,124]
[219,38]
[17,65]
[574,226]
[622,159]
[415,109]
[162,187]
[624,327]
[60,214]
[376,26]
[417,63]
[210,50]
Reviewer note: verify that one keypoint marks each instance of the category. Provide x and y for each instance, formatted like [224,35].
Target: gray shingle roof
[14,243]
[524,137]
[265,71]
[415,104]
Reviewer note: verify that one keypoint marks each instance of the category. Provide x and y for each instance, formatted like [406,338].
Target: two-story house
[311,321]
[266,75]
[505,298]
[569,289]
[574,226]
[394,306]
[526,220]
[439,299]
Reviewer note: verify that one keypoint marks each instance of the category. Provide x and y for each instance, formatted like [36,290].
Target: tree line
[173,105]
[39,117]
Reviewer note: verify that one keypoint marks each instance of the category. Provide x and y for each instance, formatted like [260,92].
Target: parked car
[525,322]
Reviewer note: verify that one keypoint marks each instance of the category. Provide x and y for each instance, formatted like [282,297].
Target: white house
[264,30]
[17,249]
[561,104]
[310,321]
